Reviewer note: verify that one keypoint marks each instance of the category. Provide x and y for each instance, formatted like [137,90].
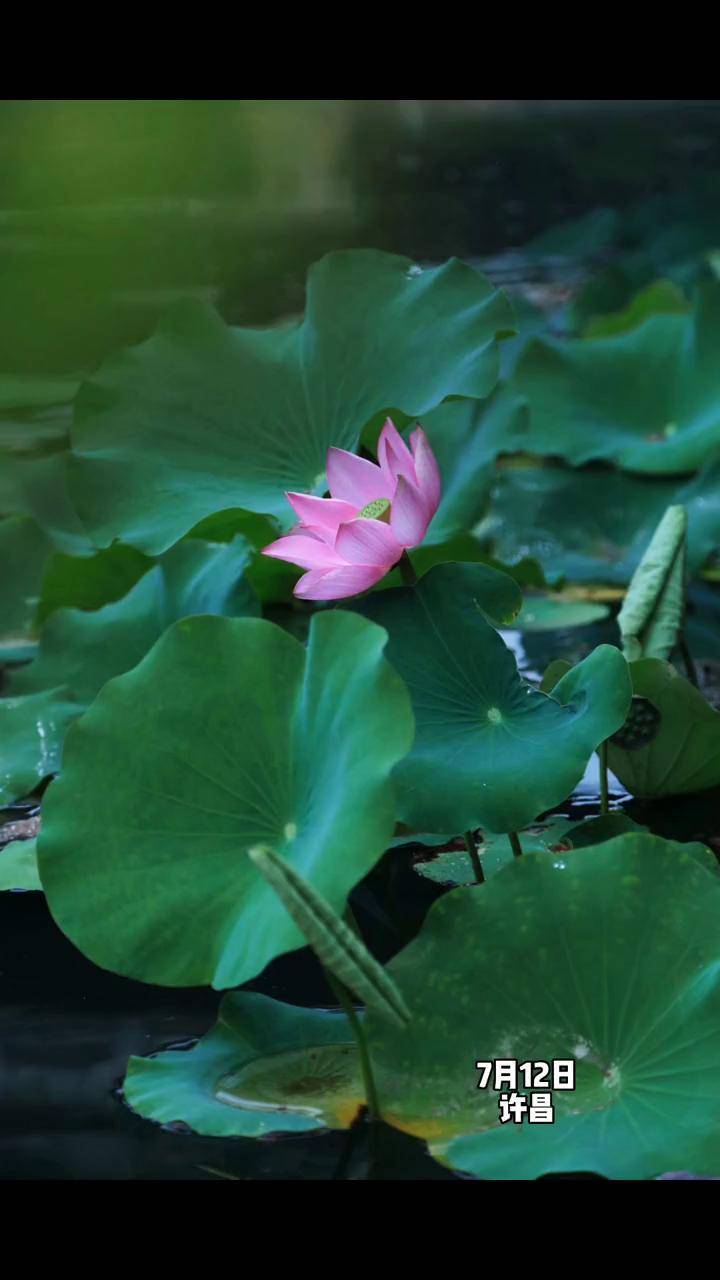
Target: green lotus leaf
[595,525]
[609,957]
[465,549]
[265,1067]
[553,613]
[18,865]
[229,735]
[89,582]
[453,867]
[646,400]
[660,297]
[670,744]
[79,652]
[489,751]
[651,616]
[204,417]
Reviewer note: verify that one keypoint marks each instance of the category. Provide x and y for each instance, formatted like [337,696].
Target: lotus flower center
[494,715]
[377,510]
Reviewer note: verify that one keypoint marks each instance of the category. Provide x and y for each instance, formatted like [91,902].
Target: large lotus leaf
[647,400]
[608,956]
[266,1067]
[595,525]
[228,735]
[489,750]
[79,652]
[203,417]
[18,865]
[671,746]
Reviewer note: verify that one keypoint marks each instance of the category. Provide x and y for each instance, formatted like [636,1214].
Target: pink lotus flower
[349,541]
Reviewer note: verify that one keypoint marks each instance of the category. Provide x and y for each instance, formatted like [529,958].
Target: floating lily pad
[229,735]
[489,751]
[671,744]
[266,1067]
[553,613]
[556,835]
[607,957]
[646,400]
[204,417]
[18,866]
[79,652]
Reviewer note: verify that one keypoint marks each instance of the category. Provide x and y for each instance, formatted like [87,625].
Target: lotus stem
[603,759]
[405,566]
[343,998]
[515,844]
[474,858]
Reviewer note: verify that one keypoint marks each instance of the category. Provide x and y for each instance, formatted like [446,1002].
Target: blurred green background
[111,209]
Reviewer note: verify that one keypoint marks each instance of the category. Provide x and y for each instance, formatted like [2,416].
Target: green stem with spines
[342,996]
